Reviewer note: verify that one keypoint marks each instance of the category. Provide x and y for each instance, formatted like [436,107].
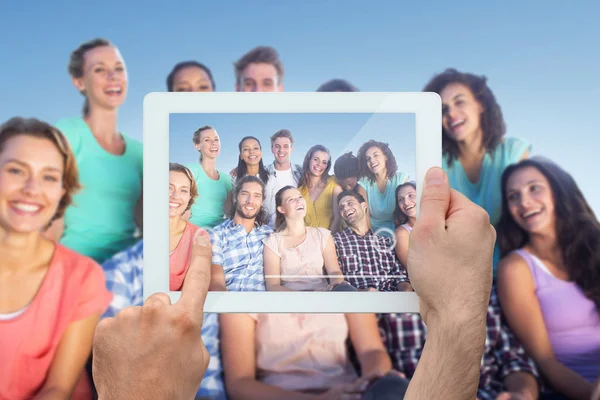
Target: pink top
[302,351]
[179,259]
[302,265]
[73,289]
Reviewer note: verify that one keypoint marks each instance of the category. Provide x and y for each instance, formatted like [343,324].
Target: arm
[272,265]
[238,337]
[452,354]
[336,216]
[55,230]
[402,254]
[68,364]
[516,291]
[523,383]
[138,212]
[372,355]
[331,263]
[217,279]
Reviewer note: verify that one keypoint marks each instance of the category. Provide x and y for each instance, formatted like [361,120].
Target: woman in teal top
[380,177]
[475,151]
[214,186]
[103,218]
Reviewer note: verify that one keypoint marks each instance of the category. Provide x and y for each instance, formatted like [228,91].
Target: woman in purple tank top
[549,277]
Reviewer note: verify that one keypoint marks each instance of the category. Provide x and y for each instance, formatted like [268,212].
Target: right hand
[348,391]
[450,253]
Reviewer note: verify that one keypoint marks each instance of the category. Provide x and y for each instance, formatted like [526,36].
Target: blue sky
[338,132]
[541,59]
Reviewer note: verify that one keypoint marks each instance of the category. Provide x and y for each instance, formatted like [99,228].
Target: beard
[246,214]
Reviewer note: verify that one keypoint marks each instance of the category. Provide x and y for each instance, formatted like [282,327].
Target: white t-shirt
[276,181]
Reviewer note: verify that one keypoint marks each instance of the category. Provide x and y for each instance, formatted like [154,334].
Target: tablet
[408,124]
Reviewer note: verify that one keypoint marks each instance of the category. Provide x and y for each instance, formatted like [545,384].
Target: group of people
[70,222]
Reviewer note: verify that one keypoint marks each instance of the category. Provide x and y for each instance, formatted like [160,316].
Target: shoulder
[134,145]
[514,148]
[513,270]
[72,128]
[321,232]
[78,267]
[400,177]
[196,230]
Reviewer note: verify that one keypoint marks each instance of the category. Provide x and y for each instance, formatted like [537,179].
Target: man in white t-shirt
[281,172]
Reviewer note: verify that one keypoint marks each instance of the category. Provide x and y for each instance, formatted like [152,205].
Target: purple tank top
[572,320]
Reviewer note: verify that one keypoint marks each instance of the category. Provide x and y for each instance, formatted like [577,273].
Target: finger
[158,300]
[435,200]
[196,282]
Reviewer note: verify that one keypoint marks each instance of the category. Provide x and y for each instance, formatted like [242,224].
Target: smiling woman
[52,297]
[103,219]
[182,193]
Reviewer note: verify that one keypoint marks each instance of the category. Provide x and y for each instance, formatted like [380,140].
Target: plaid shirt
[404,336]
[369,260]
[124,279]
[240,254]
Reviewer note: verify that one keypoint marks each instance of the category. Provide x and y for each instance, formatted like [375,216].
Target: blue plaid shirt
[240,254]
[125,280]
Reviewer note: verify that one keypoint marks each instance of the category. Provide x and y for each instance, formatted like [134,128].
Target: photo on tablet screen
[293,202]
[306,200]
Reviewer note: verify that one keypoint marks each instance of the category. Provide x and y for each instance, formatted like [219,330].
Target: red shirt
[73,289]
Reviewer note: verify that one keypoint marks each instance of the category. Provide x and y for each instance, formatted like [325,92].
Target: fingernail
[435,176]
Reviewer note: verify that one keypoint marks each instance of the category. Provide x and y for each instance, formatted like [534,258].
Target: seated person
[549,276]
[366,258]
[295,254]
[345,170]
[51,297]
[505,367]
[237,245]
[182,193]
[304,356]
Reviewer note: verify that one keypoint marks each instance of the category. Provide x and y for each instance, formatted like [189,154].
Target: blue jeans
[390,387]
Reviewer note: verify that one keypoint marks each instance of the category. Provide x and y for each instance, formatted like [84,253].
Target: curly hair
[176,167]
[391,166]
[399,217]
[492,121]
[577,228]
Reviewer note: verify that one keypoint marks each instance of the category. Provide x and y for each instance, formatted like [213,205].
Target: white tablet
[409,123]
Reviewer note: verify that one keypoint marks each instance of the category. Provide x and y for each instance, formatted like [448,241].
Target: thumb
[435,199]
[503,396]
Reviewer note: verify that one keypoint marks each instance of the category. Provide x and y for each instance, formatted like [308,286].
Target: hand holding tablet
[156,350]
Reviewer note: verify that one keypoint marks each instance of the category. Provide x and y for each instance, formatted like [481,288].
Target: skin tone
[316,168]
[179,198]
[239,348]
[248,204]
[105,84]
[259,77]
[282,149]
[293,208]
[407,201]
[192,79]
[31,187]
[461,118]
[348,183]
[532,207]
[251,154]
[451,247]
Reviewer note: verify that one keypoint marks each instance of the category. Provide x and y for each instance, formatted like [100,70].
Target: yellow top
[319,213]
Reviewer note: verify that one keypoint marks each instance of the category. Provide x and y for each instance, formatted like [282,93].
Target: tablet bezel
[157,110]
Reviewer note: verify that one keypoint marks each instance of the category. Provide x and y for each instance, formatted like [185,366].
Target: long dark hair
[305,178]
[399,217]
[280,218]
[391,166]
[242,169]
[492,122]
[261,218]
[577,228]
